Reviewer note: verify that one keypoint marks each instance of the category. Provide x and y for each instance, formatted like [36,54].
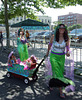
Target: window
[68,19]
[71,16]
[68,22]
[42,20]
[74,22]
[71,22]
[48,21]
[61,17]
[71,19]
[68,16]
[45,20]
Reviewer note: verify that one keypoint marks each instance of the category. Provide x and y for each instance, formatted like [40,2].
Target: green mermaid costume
[57,60]
[22,50]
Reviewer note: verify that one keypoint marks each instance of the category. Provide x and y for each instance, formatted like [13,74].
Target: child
[11,58]
[31,62]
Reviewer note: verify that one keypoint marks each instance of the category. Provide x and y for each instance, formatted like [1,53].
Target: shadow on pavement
[15,88]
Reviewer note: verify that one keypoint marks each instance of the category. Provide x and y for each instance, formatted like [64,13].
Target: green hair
[58,26]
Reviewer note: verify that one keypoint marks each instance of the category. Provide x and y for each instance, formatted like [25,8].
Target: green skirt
[23,52]
[57,64]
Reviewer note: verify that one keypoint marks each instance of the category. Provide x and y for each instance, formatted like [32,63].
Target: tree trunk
[6,23]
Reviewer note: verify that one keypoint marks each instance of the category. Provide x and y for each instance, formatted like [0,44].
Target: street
[16,89]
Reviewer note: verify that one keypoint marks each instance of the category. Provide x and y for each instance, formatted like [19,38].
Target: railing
[76,48]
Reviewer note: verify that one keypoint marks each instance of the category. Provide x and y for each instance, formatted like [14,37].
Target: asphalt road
[15,88]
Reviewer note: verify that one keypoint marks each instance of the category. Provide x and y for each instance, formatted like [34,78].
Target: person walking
[28,37]
[58,42]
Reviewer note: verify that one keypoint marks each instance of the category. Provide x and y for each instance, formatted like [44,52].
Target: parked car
[34,34]
[11,35]
[4,35]
[38,36]
[47,35]
[76,35]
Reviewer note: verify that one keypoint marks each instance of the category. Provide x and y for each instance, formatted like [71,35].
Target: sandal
[62,95]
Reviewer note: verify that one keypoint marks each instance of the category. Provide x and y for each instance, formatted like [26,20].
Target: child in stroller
[11,59]
[31,62]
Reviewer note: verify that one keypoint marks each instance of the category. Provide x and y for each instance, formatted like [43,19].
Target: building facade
[44,19]
[17,19]
[70,19]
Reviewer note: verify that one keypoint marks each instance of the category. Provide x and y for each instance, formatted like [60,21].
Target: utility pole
[6,23]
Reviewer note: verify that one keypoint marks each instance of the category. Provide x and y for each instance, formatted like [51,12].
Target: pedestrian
[22,45]
[58,42]
[1,39]
[28,37]
[16,35]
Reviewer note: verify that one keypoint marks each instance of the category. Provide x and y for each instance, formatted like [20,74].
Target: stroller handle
[39,65]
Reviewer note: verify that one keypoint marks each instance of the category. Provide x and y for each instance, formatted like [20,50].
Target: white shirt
[57,47]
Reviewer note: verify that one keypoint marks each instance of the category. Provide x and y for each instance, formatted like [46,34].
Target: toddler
[31,62]
[11,58]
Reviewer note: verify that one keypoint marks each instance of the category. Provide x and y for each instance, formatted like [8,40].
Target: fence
[76,48]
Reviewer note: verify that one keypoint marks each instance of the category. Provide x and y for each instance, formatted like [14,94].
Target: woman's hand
[68,54]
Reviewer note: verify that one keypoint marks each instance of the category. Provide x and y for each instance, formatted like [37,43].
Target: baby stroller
[17,70]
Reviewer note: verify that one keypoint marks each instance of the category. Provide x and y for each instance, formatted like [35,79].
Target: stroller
[17,70]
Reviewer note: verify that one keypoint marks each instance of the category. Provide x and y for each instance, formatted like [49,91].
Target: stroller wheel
[35,78]
[26,80]
[8,74]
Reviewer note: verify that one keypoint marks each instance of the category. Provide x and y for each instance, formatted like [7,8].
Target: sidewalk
[15,89]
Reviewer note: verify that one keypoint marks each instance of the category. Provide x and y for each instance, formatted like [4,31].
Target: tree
[29,8]
[6,22]
[56,23]
[70,28]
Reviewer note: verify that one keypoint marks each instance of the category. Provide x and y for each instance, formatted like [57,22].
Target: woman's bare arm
[68,48]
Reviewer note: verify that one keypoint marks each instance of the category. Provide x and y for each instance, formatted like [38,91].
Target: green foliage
[31,7]
[56,23]
[70,28]
[20,8]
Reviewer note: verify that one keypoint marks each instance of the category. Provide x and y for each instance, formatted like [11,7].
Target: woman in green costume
[22,45]
[58,42]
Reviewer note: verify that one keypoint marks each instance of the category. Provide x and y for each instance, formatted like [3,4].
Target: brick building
[70,19]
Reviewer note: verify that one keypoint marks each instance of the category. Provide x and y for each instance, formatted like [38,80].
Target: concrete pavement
[15,89]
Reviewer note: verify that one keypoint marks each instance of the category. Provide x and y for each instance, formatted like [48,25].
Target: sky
[54,13]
